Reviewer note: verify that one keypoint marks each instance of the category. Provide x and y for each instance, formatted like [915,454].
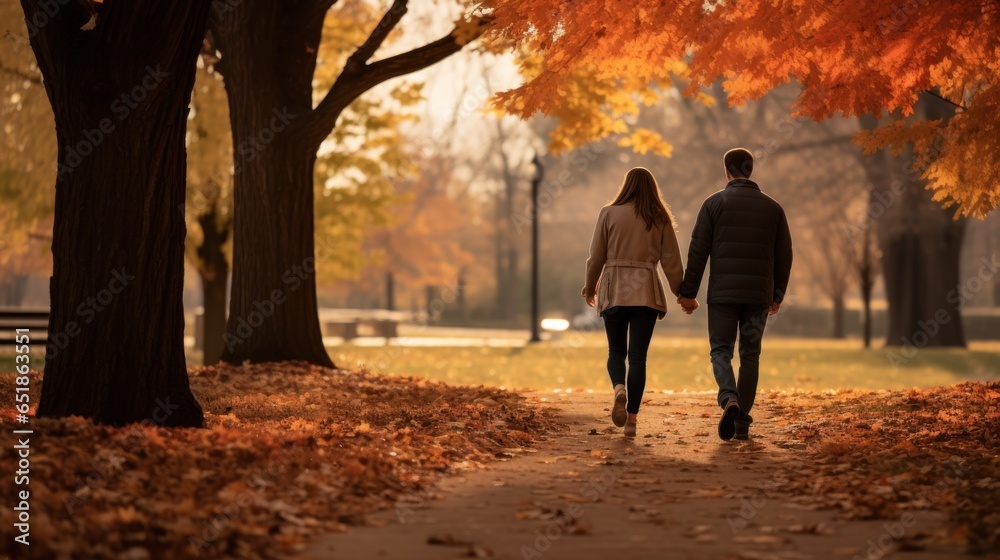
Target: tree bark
[214,318]
[214,275]
[273,313]
[120,95]
[921,271]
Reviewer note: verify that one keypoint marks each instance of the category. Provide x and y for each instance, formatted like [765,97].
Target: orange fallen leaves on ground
[289,450]
[880,454]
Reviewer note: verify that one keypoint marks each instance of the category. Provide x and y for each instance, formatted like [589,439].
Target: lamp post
[535,183]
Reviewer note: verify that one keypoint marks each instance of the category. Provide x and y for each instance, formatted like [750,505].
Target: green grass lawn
[577,361]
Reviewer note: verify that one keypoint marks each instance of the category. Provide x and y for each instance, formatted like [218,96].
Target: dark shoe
[743,429]
[727,425]
[630,429]
[618,413]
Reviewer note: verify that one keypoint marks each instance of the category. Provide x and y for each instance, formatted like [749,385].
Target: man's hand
[591,298]
[774,309]
[688,304]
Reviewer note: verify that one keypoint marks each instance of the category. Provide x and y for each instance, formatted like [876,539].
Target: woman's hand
[591,298]
[688,304]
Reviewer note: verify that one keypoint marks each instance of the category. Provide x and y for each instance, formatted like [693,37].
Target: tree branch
[359,78]
[35,79]
[378,35]
[945,99]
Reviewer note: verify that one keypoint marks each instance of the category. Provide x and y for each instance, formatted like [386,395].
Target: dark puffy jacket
[746,234]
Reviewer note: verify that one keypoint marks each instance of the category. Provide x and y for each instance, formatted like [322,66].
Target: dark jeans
[629,330]
[724,321]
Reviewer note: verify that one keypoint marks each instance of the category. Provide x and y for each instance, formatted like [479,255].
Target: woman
[634,233]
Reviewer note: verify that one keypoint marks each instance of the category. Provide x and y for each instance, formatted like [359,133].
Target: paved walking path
[675,492]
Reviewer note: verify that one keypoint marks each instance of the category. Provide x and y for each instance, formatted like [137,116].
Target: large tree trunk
[992,231]
[921,246]
[120,96]
[268,69]
[214,275]
[921,270]
[268,59]
[273,312]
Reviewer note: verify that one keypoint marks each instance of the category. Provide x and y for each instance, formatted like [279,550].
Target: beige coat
[628,253]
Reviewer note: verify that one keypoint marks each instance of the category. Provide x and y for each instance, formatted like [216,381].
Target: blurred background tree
[27,163]
[931,70]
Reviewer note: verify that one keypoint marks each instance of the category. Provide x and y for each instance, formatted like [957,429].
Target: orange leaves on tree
[851,57]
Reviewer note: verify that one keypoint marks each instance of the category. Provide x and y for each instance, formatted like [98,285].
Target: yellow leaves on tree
[645,141]
[851,57]
[363,155]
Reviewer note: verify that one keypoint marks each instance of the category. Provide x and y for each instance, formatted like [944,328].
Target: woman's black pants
[629,329]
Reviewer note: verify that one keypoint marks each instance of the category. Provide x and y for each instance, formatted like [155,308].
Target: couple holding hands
[745,233]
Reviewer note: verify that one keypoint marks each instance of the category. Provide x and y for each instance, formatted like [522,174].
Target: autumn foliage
[290,450]
[592,64]
[879,455]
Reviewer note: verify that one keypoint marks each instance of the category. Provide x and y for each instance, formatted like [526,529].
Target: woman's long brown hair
[640,188]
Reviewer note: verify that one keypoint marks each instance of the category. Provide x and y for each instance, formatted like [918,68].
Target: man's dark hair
[739,163]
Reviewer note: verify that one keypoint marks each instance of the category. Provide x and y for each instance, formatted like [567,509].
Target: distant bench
[348,323]
[13,318]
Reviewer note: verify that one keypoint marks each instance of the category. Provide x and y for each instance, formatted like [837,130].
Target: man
[746,234]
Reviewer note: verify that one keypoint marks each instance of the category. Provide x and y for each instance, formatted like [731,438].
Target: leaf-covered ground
[290,450]
[877,455]
[825,476]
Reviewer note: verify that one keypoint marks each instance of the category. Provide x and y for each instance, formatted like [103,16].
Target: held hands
[688,304]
